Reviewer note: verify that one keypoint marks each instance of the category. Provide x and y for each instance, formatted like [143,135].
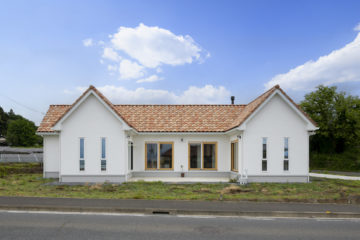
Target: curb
[164,211]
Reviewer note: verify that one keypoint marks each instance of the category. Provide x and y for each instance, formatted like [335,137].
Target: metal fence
[30,157]
[9,154]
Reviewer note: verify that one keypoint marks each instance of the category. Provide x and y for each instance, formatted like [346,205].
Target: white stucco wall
[92,120]
[51,158]
[276,120]
[181,150]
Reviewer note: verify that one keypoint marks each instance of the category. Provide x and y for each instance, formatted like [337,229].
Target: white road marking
[180,216]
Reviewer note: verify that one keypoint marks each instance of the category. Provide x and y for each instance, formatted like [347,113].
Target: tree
[21,132]
[3,122]
[338,117]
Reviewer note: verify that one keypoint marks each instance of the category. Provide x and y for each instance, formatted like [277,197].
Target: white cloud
[207,94]
[154,46]
[88,42]
[110,54]
[112,68]
[340,66]
[130,70]
[357,28]
[152,78]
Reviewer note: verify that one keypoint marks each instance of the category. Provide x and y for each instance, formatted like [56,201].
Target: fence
[16,157]
[9,154]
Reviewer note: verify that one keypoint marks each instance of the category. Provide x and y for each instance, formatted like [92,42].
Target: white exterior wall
[51,158]
[92,120]
[181,150]
[276,120]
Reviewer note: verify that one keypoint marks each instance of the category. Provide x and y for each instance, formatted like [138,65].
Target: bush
[346,161]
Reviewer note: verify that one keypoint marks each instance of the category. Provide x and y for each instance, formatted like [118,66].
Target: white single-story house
[93,140]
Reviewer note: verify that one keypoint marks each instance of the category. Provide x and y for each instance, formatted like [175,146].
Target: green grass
[319,190]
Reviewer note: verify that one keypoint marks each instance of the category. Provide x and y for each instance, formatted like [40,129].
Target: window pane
[103,165]
[151,155]
[209,155]
[195,155]
[103,148]
[130,155]
[286,148]
[264,150]
[81,148]
[264,165]
[234,155]
[82,165]
[165,155]
[286,165]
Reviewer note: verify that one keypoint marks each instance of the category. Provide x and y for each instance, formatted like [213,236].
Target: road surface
[35,225]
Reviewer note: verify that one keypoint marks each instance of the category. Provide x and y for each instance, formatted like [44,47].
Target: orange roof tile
[171,118]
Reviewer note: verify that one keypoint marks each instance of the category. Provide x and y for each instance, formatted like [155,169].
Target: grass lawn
[26,180]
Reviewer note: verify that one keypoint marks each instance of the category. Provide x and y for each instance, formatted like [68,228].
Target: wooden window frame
[202,156]
[158,156]
[232,155]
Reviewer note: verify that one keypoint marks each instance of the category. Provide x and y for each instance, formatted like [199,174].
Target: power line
[23,105]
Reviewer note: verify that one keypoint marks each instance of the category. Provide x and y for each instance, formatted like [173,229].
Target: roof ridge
[227,105]
[271,89]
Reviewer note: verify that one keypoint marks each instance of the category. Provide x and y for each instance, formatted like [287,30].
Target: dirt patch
[233,189]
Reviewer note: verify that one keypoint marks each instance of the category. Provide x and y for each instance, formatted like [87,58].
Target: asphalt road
[23,225]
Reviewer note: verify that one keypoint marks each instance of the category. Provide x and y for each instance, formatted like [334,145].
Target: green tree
[3,122]
[338,117]
[21,132]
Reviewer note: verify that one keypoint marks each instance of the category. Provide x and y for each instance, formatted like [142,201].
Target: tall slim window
[234,156]
[131,155]
[286,154]
[103,154]
[264,155]
[82,154]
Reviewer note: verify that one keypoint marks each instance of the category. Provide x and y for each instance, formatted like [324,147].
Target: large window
[286,154]
[103,154]
[82,154]
[264,155]
[159,155]
[203,156]
[234,155]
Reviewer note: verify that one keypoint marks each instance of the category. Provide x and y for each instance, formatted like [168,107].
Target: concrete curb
[164,211]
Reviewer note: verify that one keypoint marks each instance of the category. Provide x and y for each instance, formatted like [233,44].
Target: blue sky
[173,51]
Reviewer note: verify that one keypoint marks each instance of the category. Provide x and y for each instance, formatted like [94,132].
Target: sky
[173,52]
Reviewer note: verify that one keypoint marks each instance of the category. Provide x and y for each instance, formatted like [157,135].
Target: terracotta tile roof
[171,118]
[54,113]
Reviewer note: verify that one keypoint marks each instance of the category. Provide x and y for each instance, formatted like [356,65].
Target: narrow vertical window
[286,154]
[103,154]
[234,156]
[264,155]
[131,155]
[82,155]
